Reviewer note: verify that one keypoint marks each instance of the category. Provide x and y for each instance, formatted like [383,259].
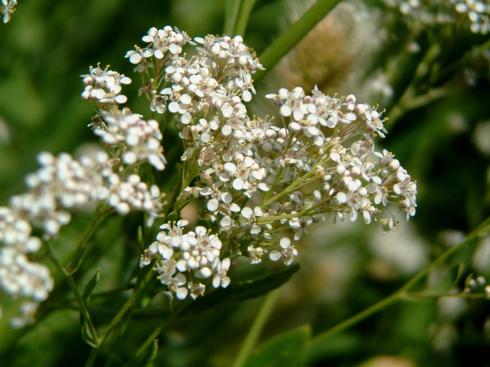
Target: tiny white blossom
[104,86]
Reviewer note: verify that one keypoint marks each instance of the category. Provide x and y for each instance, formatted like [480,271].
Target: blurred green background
[444,144]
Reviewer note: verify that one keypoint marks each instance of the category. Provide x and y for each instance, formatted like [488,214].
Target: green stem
[409,101]
[410,98]
[401,293]
[430,295]
[281,46]
[77,256]
[119,316]
[322,338]
[458,65]
[78,296]
[296,184]
[256,329]
[243,16]
[148,341]
[232,10]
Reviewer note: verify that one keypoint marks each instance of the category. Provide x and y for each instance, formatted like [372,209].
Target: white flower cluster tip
[160,43]
[217,74]
[104,86]
[477,12]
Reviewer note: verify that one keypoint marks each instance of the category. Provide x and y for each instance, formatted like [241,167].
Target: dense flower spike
[21,278]
[15,232]
[8,8]
[475,12]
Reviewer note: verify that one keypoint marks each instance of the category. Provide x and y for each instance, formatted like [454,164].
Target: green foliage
[284,350]
[243,290]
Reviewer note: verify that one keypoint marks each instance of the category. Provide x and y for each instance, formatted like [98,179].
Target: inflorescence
[258,183]
[474,13]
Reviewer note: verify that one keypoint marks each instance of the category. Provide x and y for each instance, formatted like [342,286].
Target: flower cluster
[476,285]
[258,183]
[19,277]
[63,184]
[218,71]
[476,12]
[7,8]
[183,260]
[104,86]
[261,184]
[59,186]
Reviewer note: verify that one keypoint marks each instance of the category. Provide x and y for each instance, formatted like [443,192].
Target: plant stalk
[401,293]
[282,45]
[256,329]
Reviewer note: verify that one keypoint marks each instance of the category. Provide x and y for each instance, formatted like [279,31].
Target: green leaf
[150,362]
[242,290]
[89,288]
[141,238]
[285,350]
[231,15]
[243,16]
[88,334]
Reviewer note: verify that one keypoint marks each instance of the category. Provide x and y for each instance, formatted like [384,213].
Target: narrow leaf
[89,288]
[232,10]
[243,290]
[87,333]
[150,362]
[244,15]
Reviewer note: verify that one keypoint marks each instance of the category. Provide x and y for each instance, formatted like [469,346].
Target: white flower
[8,8]
[221,279]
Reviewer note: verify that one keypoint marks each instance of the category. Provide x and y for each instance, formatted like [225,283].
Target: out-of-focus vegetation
[432,81]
